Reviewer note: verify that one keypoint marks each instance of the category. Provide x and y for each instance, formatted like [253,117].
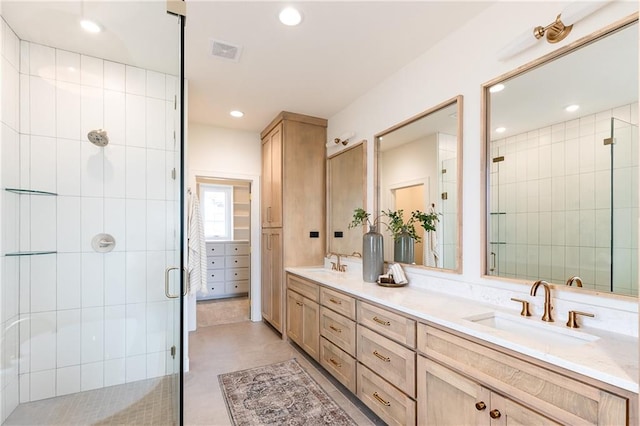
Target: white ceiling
[339,52]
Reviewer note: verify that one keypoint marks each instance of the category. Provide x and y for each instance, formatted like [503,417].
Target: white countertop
[609,357]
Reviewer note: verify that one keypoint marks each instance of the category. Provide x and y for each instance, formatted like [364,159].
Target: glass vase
[372,255]
[403,248]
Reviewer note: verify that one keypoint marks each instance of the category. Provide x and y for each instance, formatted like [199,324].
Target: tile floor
[213,350]
[238,346]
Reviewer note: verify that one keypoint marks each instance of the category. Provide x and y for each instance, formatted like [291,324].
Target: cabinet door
[295,308]
[448,398]
[272,179]
[505,412]
[272,285]
[311,328]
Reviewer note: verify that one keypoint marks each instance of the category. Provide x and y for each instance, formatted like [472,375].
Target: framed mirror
[346,191]
[561,166]
[419,168]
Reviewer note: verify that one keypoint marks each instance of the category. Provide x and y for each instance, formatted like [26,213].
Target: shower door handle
[167,291]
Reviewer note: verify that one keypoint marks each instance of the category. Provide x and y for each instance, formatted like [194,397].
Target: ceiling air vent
[225,50]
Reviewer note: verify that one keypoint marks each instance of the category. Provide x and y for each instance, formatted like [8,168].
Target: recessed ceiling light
[500,130]
[236,114]
[497,88]
[90,26]
[572,108]
[290,16]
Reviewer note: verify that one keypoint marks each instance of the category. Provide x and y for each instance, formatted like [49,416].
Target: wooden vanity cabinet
[292,201]
[303,315]
[272,270]
[338,336]
[455,374]
[386,363]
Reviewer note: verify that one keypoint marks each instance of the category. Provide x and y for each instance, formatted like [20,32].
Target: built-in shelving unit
[241,212]
[22,191]
[29,253]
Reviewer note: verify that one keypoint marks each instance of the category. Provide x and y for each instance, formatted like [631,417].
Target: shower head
[98,137]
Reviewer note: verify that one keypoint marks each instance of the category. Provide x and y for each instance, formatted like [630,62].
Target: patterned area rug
[279,394]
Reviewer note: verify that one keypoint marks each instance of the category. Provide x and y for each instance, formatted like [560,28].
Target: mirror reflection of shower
[98,137]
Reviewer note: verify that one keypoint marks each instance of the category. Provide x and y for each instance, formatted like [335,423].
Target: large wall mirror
[562,165]
[419,168]
[346,191]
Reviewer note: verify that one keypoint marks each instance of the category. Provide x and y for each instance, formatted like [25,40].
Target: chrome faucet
[577,280]
[546,316]
[336,266]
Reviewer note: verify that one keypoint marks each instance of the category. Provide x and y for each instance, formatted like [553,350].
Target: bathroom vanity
[416,356]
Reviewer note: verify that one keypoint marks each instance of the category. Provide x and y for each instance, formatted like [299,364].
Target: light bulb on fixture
[556,31]
[90,26]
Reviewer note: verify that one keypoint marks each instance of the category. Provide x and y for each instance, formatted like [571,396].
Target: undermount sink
[531,328]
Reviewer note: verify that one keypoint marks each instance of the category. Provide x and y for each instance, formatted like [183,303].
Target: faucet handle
[334,267]
[525,307]
[571,321]
[343,268]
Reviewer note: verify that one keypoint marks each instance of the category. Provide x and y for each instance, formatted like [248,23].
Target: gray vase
[403,246]
[372,255]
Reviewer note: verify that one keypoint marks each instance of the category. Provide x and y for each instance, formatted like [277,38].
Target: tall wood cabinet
[293,202]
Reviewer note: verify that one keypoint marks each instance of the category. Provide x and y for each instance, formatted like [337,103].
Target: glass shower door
[624,207]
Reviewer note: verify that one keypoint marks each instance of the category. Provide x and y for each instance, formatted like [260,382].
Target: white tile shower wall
[9,203]
[88,319]
[552,237]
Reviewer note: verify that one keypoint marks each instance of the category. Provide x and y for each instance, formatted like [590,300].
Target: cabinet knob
[494,414]
[480,405]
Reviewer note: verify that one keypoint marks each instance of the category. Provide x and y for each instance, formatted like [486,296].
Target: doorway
[225,205]
[409,199]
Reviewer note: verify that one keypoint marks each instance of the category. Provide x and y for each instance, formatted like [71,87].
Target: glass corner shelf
[30,191]
[29,253]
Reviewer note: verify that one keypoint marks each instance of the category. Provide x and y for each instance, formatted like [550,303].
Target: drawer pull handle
[480,405]
[336,363]
[336,329]
[380,400]
[299,303]
[382,357]
[379,321]
[337,302]
[494,414]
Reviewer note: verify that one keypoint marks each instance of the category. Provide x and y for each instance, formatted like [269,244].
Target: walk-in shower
[88,229]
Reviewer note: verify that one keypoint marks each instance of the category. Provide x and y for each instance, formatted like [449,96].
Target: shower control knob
[103,243]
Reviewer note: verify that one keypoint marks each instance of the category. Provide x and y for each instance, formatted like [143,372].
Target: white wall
[460,64]
[89,319]
[235,154]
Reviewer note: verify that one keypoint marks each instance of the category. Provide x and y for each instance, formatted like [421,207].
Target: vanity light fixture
[90,26]
[290,16]
[572,108]
[556,31]
[236,114]
[344,138]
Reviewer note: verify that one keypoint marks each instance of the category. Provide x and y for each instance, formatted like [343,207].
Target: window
[217,203]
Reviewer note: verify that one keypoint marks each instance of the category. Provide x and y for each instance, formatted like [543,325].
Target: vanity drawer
[215,262]
[215,249]
[235,274]
[215,275]
[338,302]
[388,359]
[237,261]
[559,396]
[237,249]
[341,365]
[391,405]
[338,329]
[232,287]
[387,323]
[301,286]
